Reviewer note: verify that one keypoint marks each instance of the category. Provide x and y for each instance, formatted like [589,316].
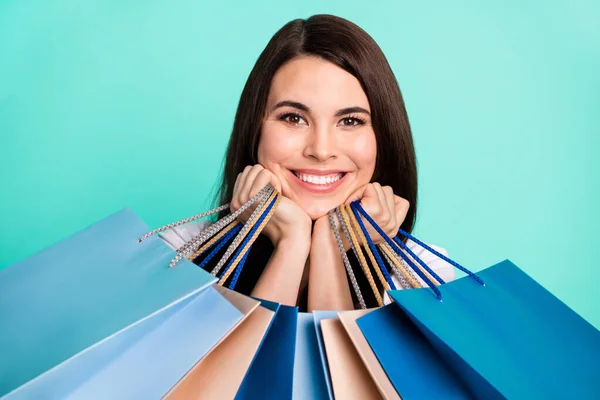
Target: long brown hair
[348,46]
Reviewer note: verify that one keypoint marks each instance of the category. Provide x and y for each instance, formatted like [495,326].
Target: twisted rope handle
[440,255]
[393,245]
[345,259]
[218,233]
[378,261]
[266,215]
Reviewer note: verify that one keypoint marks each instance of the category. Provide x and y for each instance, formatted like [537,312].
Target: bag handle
[394,244]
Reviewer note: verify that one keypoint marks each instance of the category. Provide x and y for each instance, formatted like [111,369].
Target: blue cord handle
[397,250]
[440,255]
[220,243]
[374,250]
[239,267]
[238,271]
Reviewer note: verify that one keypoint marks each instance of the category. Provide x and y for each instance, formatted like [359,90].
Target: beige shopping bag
[220,373]
[348,320]
[349,376]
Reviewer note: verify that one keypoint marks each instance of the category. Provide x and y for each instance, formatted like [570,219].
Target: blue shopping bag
[309,376]
[410,362]
[146,360]
[318,317]
[271,374]
[510,338]
[86,290]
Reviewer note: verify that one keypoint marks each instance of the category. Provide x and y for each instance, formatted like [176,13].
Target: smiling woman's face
[317,136]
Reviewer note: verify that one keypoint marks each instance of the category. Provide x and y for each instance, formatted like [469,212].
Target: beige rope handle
[213,240]
[398,265]
[361,258]
[363,238]
[257,232]
[244,231]
[434,281]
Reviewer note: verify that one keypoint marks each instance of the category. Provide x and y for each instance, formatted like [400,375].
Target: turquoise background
[114,103]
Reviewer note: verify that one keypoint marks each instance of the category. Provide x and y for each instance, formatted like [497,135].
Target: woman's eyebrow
[351,110]
[305,108]
[290,103]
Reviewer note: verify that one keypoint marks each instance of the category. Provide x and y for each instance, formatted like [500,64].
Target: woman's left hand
[383,206]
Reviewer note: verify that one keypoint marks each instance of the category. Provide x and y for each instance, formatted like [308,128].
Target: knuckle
[377,210]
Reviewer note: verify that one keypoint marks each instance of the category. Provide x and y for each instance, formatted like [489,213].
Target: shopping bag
[510,338]
[220,373]
[91,287]
[348,320]
[411,363]
[271,374]
[349,376]
[318,316]
[309,377]
[146,360]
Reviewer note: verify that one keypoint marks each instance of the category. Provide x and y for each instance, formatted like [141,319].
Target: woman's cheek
[277,145]
[363,151]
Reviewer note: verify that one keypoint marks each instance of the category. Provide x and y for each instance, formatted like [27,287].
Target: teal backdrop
[105,104]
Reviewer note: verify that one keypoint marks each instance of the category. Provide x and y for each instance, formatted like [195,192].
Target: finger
[389,197]
[356,195]
[236,185]
[370,201]
[382,215]
[402,206]
[263,178]
[250,178]
[274,181]
[385,211]
[239,183]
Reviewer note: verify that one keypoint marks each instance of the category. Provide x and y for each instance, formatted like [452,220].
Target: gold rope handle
[213,240]
[365,243]
[240,255]
[435,282]
[400,267]
[361,258]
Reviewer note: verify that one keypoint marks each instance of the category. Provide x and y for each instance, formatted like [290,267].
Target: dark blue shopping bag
[510,338]
[499,330]
[271,373]
[70,312]
[412,365]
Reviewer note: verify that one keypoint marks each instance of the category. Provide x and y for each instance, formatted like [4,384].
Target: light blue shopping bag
[318,317]
[98,286]
[309,376]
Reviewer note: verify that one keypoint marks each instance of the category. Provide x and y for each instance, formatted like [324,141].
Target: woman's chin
[315,212]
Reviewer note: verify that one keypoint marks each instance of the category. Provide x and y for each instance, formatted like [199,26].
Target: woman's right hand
[288,219]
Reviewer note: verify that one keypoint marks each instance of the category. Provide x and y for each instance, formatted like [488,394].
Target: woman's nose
[321,143]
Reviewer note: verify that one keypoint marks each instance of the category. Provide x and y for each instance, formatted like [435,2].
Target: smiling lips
[319,181]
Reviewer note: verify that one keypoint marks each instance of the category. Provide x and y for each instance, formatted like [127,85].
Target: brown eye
[291,118]
[352,121]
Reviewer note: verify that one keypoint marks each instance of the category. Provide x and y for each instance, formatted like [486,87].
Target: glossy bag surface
[510,338]
[84,290]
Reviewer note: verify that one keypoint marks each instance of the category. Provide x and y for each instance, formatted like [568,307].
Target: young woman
[322,119]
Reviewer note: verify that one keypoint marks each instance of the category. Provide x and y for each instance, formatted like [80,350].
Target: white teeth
[319,179]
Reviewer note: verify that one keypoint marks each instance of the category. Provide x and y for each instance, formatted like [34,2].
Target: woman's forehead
[318,84]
